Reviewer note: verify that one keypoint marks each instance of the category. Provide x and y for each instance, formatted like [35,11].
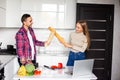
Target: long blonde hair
[83,23]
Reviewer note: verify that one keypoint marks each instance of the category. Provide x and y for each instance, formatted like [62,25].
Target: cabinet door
[16,65]
[45,13]
[2,12]
[11,69]
[2,17]
[3,4]
[13,13]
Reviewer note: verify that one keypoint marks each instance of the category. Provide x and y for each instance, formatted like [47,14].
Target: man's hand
[29,61]
[22,60]
[49,39]
[46,43]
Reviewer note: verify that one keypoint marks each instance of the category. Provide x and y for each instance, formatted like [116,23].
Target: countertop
[5,59]
[58,74]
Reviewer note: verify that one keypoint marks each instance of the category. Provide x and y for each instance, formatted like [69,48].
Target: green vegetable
[30,74]
[29,68]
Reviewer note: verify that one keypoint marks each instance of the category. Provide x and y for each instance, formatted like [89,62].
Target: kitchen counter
[58,74]
[5,59]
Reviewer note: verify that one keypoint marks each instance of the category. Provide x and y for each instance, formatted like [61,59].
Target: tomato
[37,72]
[60,65]
[53,67]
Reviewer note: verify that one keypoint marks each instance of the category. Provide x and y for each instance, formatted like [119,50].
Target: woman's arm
[81,48]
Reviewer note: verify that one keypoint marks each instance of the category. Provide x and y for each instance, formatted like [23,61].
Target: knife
[48,67]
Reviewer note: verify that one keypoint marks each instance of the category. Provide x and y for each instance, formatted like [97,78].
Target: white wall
[116,43]
[7,36]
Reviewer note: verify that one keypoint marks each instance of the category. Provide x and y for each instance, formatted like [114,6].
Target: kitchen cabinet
[13,13]
[58,14]
[45,13]
[2,12]
[3,4]
[2,17]
[10,69]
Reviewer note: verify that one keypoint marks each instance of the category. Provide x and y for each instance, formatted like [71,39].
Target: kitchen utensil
[48,67]
[10,47]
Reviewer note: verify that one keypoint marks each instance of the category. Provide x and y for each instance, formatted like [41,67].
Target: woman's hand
[68,45]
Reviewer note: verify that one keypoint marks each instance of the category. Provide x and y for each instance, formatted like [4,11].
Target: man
[26,41]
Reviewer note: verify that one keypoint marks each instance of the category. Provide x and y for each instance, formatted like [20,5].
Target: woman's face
[79,28]
[28,22]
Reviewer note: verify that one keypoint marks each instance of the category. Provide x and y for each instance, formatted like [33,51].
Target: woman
[79,43]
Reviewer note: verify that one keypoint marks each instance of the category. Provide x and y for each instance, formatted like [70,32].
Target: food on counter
[29,69]
[57,35]
[21,71]
[37,72]
[54,67]
[60,65]
[29,74]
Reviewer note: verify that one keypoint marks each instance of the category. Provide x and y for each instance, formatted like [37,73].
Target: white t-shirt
[31,43]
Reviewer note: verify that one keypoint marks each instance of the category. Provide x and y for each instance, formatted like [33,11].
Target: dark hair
[24,17]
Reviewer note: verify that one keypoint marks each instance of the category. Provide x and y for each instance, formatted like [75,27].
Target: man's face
[28,22]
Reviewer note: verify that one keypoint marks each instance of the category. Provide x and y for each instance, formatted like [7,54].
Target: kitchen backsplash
[7,36]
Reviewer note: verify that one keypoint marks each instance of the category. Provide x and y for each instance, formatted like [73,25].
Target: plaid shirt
[23,47]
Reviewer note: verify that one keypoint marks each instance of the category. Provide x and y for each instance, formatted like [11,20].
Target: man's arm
[19,47]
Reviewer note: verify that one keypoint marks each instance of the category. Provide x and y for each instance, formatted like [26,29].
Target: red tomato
[37,72]
[53,67]
[60,65]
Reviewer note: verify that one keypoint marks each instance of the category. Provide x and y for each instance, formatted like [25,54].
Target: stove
[7,52]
